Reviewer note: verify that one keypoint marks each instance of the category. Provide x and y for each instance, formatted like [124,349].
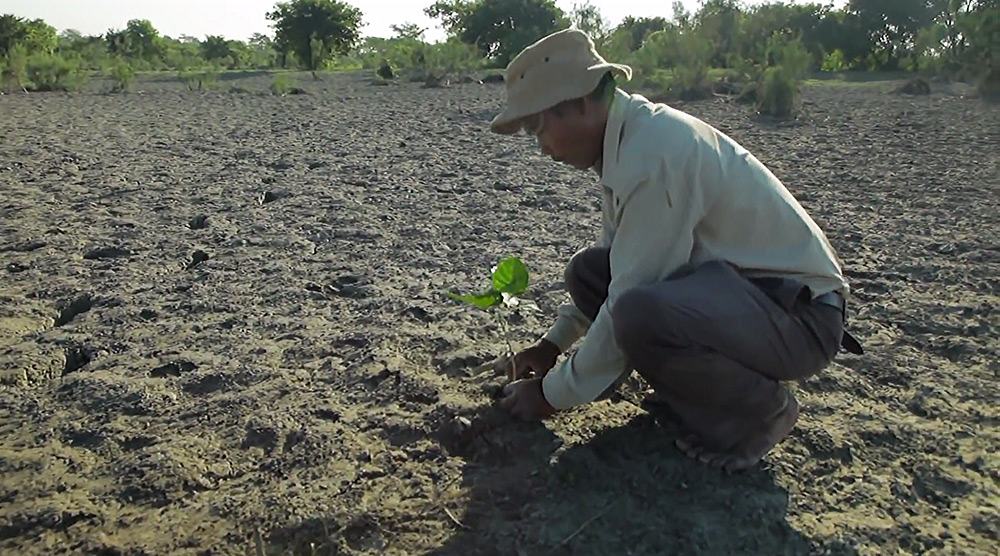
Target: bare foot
[655,402]
[746,452]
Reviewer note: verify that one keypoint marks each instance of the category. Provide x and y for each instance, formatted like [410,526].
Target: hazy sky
[238,19]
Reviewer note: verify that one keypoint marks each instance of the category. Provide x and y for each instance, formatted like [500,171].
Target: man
[709,279]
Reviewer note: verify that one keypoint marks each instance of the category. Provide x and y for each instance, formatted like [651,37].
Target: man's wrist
[550,346]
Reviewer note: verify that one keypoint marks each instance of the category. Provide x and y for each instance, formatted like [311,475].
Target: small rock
[198,222]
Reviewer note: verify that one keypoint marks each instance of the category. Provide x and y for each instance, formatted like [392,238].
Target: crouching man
[709,279]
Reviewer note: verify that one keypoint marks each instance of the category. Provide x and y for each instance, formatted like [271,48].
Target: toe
[721,461]
[687,443]
[740,464]
[709,457]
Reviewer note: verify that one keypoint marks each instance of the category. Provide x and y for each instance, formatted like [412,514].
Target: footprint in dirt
[25,246]
[77,357]
[349,286]
[176,368]
[79,306]
[106,253]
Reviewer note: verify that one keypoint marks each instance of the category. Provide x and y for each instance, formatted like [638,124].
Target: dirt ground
[223,331]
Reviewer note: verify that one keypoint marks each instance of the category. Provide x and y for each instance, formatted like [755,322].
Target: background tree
[408,31]
[587,17]
[336,25]
[892,26]
[13,30]
[499,28]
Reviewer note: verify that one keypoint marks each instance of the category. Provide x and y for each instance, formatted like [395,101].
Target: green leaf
[510,276]
[483,300]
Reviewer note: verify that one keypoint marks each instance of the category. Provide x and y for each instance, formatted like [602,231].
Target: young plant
[509,280]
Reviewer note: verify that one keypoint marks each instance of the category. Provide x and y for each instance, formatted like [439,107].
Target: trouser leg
[587,277]
[715,346]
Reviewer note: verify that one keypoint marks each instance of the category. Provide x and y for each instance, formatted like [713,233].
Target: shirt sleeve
[571,324]
[654,238]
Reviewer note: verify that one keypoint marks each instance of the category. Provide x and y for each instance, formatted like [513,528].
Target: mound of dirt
[914,87]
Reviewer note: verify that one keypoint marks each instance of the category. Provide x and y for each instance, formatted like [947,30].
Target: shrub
[122,75]
[50,72]
[449,57]
[988,85]
[283,84]
[834,61]
[385,70]
[690,80]
[778,94]
[15,73]
[200,80]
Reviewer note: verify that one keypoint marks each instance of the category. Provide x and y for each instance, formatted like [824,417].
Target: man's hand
[534,361]
[524,399]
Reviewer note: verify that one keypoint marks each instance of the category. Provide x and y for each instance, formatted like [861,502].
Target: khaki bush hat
[561,66]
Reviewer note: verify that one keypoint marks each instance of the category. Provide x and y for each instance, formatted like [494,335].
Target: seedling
[509,280]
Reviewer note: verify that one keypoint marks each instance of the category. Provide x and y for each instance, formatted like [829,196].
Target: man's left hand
[524,399]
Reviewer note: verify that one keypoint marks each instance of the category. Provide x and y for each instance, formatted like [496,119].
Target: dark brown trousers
[714,345]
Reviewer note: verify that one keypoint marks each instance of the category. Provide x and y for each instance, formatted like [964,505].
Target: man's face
[568,134]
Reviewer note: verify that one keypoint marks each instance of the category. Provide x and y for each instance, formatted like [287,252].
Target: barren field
[223,331]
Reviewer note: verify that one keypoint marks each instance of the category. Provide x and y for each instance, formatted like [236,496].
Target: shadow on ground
[627,491]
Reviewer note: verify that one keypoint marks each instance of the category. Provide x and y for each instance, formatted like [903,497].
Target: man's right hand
[534,361]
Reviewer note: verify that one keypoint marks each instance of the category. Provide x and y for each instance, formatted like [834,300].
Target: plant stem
[510,348]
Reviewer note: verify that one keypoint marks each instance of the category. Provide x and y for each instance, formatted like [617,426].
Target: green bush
[988,86]
[834,61]
[778,94]
[790,54]
[122,75]
[283,84]
[15,72]
[50,72]
[449,57]
[200,80]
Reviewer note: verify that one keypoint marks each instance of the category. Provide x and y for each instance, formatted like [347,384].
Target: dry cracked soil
[223,331]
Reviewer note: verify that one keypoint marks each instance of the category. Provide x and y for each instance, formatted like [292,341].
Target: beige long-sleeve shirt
[676,192]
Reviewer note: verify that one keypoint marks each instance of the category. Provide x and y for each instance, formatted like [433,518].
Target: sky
[238,19]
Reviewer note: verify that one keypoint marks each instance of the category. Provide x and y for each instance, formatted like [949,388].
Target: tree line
[956,38]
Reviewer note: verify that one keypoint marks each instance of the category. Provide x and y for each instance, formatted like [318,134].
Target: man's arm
[571,324]
[654,238]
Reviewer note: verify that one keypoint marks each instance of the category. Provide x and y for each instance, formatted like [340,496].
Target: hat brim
[511,120]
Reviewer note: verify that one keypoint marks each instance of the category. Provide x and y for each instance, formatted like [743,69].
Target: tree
[299,23]
[13,31]
[36,36]
[719,21]
[215,47]
[499,28]
[640,27]
[408,31]
[587,18]
[892,26]
[138,41]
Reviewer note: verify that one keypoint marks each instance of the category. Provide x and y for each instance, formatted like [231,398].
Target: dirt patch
[223,324]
